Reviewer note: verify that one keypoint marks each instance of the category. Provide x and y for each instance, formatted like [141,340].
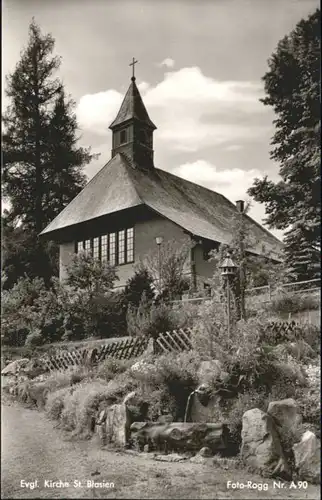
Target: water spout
[188,406]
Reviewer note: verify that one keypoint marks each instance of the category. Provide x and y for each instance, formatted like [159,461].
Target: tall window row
[117,248]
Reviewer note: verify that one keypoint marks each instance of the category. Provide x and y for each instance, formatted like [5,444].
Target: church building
[130,205]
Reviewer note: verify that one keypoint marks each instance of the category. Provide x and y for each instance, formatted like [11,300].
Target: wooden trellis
[123,349]
[285,330]
[176,340]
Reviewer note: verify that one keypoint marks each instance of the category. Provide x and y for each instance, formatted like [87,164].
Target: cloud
[168,63]
[234,147]
[95,112]
[232,183]
[143,87]
[192,111]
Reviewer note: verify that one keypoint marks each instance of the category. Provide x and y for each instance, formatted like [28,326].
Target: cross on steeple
[133,63]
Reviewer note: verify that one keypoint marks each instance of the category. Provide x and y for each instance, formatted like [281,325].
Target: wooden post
[228,306]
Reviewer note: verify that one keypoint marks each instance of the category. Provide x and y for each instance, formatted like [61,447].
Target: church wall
[204,268]
[66,252]
[144,242]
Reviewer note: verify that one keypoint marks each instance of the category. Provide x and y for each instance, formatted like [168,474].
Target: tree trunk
[180,436]
[38,173]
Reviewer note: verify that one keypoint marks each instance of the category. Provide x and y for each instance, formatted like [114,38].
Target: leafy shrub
[276,333]
[90,307]
[34,338]
[166,381]
[55,403]
[19,308]
[111,367]
[309,399]
[285,303]
[80,406]
[173,258]
[140,283]
[150,320]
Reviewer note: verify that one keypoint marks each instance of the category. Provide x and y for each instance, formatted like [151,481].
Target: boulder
[113,422]
[117,424]
[307,457]
[209,371]
[261,448]
[205,452]
[15,367]
[286,415]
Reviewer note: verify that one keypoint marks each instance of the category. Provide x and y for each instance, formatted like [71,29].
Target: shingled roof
[132,107]
[198,210]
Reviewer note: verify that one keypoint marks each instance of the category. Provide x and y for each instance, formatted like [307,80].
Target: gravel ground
[33,450]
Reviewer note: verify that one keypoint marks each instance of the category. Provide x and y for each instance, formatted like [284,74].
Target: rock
[101,417]
[286,415]
[307,456]
[179,435]
[261,448]
[115,420]
[146,448]
[209,371]
[117,424]
[15,367]
[143,370]
[205,452]
[165,419]
[198,459]
[171,457]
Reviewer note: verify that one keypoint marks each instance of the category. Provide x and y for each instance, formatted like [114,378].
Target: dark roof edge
[89,182]
[78,224]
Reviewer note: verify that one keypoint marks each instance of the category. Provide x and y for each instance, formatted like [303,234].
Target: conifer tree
[292,85]
[42,161]
[42,165]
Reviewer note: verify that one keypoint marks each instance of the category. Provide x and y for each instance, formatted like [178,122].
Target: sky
[200,73]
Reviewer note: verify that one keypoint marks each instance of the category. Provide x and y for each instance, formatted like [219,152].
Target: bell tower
[132,129]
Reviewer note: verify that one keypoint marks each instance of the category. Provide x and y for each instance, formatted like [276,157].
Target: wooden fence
[123,349]
[176,340]
[173,341]
[265,293]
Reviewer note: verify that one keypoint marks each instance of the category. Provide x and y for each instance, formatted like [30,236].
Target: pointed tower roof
[132,107]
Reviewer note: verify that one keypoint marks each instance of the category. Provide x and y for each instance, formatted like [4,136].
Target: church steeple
[133,130]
